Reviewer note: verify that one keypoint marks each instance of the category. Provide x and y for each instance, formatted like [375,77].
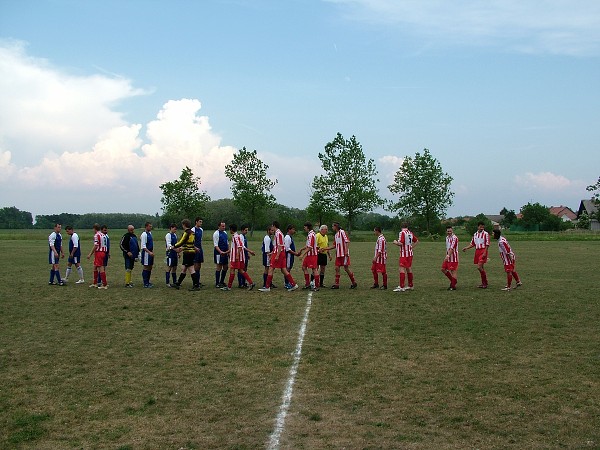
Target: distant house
[590,207]
[495,218]
[564,212]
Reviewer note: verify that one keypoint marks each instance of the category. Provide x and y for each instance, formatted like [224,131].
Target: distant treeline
[214,212]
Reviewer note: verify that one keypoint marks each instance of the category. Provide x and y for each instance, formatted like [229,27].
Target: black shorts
[322,259]
[188,259]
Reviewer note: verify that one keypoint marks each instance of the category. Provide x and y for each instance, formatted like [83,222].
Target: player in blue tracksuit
[172,258]
[55,252]
[147,255]
[74,255]
[104,231]
[221,254]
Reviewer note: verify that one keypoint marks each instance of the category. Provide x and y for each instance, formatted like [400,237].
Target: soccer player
[267,249]
[379,260]
[406,241]
[187,246]
[290,251]
[221,254]
[481,242]
[324,254]
[342,255]
[147,258]
[104,231]
[241,280]
[450,264]
[278,260]
[310,259]
[74,255]
[237,259]
[99,250]
[130,247]
[55,252]
[199,252]
[172,258]
[508,258]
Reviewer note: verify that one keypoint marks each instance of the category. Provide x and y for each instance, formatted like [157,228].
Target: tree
[12,217]
[510,217]
[423,188]
[251,187]
[349,180]
[182,198]
[320,206]
[534,215]
[471,225]
[584,221]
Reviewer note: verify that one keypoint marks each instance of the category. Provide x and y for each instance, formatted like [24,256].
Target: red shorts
[278,261]
[342,261]
[378,268]
[480,256]
[447,265]
[99,259]
[237,265]
[406,261]
[509,267]
[310,262]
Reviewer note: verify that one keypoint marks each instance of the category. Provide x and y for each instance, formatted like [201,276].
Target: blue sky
[102,101]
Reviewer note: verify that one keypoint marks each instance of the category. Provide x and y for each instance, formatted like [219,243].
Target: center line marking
[289,386]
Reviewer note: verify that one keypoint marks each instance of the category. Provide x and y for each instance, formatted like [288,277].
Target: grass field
[164,369]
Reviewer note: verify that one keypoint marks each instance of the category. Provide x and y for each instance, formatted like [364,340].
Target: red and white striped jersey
[481,239]
[341,244]
[237,248]
[452,248]
[311,244]
[406,239]
[380,255]
[100,242]
[508,257]
[278,245]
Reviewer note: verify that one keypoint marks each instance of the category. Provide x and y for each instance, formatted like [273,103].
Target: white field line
[289,386]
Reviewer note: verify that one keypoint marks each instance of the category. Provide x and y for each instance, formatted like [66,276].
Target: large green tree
[12,217]
[182,198]
[320,206]
[350,179]
[251,186]
[423,189]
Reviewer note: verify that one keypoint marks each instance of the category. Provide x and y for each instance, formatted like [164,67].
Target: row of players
[278,254]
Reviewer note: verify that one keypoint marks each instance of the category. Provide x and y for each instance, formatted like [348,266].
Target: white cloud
[97,160]
[543,181]
[555,26]
[391,161]
[46,110]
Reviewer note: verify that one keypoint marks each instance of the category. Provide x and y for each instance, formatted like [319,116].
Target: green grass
[147,369]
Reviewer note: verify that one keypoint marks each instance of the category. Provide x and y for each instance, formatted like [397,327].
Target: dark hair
[448,227]
[244,226]
[173,225]
[481,223]
[405,224]
[336,224]
[147,223]
[233,227]
[186,223]
[198,218]
[68,227]
[290,226]
[378,229]
[276,224]
[308,224]
[497,233]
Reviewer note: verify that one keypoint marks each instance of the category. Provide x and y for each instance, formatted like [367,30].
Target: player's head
[276,224]
[336,226]
[291,229]
[57,227]
[96,227]
[449,230]
[173,227]
[481,225]
[221,226]
[405,224]
[377,230]
[130,228]
[307,226]
[244,228]
[323,229]
[104,229]
[185,223]
[497,233]
[232,228]
[198,221]
[69,229]
[148,226]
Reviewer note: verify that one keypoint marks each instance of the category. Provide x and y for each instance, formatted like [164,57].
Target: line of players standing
[278,253]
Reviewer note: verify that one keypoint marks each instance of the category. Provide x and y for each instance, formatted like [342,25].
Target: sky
[102,101]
